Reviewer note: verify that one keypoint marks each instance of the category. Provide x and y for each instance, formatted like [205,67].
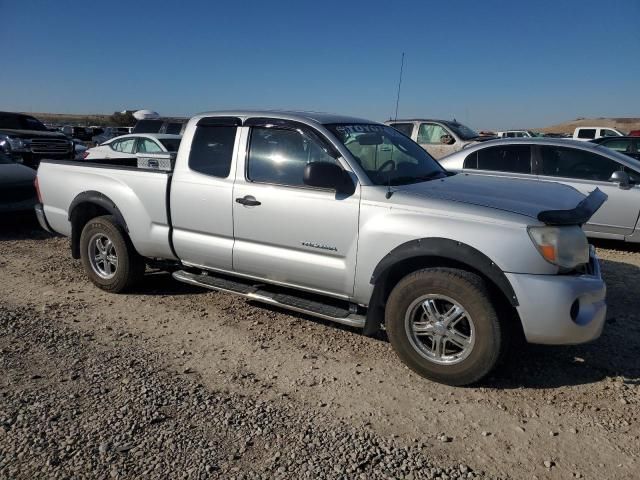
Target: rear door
[201,194]
[585,171]
[286,231]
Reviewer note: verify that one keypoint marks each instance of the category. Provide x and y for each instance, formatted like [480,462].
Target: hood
[525,197]
[15,174]
[31,133]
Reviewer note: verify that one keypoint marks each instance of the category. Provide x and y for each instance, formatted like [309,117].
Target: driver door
[284,230]
[586,171]
[432,137]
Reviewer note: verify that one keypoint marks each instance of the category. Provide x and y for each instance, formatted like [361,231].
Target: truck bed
[141,196]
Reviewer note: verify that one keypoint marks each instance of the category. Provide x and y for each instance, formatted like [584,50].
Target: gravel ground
[174,381]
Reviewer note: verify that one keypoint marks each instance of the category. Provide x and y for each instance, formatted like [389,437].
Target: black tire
[130,265]
[471,293]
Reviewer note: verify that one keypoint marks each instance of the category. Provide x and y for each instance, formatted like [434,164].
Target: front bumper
[546,301]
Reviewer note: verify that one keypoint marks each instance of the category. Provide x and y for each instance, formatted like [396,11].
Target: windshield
[20,122]
[387,156]
[171,144]
[462,131]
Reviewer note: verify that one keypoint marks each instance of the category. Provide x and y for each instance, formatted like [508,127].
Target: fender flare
[439,248]
[95,198]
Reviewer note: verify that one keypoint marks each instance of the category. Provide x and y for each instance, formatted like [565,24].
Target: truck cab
[438,137]
[586,134]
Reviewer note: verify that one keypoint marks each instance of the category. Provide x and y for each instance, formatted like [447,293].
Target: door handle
[248,200]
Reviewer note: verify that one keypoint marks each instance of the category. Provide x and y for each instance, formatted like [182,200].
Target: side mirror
[447,139]
[621,178]
[328,175]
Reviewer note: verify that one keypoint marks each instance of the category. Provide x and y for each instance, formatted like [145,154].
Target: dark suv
[159,125]
[26,140]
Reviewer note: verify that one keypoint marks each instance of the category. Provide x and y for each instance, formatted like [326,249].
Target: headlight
[14,144]
[565,247]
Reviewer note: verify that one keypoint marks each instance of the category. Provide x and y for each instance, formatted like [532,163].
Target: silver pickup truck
[348,220]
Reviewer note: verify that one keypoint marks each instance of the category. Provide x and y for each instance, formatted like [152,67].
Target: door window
[280,156]
[431,133]
[212,150]
[505,158]
[623,145]
[404,128]
[587,133]
[576,163]
[146,145]
[125,145]
[609,133]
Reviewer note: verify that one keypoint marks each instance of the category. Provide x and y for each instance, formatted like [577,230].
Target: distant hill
[72,119]
[623,124]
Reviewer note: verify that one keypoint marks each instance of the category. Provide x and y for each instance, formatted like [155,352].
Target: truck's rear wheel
[442,324]
[108,256]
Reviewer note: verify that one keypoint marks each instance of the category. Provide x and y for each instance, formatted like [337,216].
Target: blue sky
[491,64]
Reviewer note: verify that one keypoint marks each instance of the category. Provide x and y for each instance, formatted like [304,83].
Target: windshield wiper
[416,179]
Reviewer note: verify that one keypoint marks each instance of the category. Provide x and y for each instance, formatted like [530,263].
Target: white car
[134,146]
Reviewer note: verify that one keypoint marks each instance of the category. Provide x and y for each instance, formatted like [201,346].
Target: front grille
[15,194]
[48,146]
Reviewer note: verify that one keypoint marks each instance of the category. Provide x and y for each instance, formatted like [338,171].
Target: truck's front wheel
[442,324]
[108,256]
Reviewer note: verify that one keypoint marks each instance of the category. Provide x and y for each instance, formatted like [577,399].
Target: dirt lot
[174,381]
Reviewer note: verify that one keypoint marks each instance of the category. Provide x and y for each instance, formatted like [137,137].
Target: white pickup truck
[348,220]
[585,134]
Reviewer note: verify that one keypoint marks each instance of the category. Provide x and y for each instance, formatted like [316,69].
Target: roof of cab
[305,117]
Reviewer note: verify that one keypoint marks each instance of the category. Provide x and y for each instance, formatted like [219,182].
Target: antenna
[399,85]
[389,191]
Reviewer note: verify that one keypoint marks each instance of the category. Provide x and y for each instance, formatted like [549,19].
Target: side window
[623,146]
[506,158]
[125,145]
[431,133]
[576,163]
[587,133]
[147,145]
[511,134]
[212,150]
[404,128]
[609,133]
[279,156]
[471,161]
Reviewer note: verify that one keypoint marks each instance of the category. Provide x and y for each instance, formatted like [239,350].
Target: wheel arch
[432,252]
[83,208]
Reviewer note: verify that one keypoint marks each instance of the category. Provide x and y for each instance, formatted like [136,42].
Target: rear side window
[505,158]
[576,163]
[587,133]
[174,128]
[623,145]
[404,128]
[147,126]
[471,161]
[212,150]
[125,145]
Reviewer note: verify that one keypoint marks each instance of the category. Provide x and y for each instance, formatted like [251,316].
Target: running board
[272,295]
